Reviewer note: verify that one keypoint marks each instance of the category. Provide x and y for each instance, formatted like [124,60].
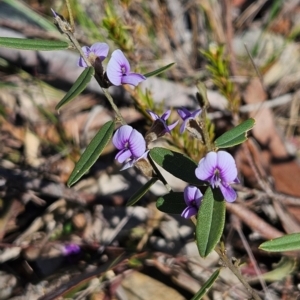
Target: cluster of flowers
[217,168]
[118,67]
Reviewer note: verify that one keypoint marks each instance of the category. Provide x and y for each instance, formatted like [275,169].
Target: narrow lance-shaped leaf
[210,221]
[79,85]
[32,44]
[141,192]
[236,135]
[158,71]
[177,164]
[92,152]
[172,203]
[207,285]
[287,242]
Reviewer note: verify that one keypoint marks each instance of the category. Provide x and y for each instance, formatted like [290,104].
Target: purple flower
[118,70]
[131,144]
[220,170]
[163,120]
[192,198]
[186,116]
[70,249]
[98,50]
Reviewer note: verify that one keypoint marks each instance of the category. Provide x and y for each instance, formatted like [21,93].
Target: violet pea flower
[131,144]
[163,120]
[192,197]
[118,70]
[186,116]
[70,249]
[97,50]
[219,169]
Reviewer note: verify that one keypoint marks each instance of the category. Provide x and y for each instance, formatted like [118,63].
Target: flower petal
[228,192]
[122,136]
[81,62]
[123,155]
[227,167]
[182,126]
[183,113]
[115,67]
[132,78]
[172,126]
[189,212]
[100,49]
[137,144]
[192,193]
[206,166]
[119,56]
[166,115]
[196,113]
[153,115]
[114,72]
[86,51]
[128,164]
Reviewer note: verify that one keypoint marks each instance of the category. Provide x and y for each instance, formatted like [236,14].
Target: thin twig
[227,262]
[237,226]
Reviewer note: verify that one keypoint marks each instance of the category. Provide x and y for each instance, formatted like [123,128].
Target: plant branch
[227,262]
[67,29]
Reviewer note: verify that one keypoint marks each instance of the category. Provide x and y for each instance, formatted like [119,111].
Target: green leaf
[177,164]
[141,192]
[210,221]
[160,70]
[235,136]
[287,242]
[79,85]
[27,44]
[92,152]
[207,285]
[172,203]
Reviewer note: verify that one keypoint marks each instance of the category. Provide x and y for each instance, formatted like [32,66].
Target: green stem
[113,105]
[66,29]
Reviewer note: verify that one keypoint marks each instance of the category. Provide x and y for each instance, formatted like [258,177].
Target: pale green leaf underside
[235,136]
[177,164]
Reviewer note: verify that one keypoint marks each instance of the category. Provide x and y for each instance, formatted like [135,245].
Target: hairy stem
[227,262]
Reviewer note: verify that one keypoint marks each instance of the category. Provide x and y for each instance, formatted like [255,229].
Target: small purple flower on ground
[98,50]
[118,70]
[186,116]
[131,144]
[219,169]
[163,120]
[71,249]
[192,197]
